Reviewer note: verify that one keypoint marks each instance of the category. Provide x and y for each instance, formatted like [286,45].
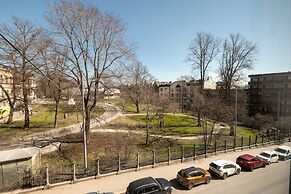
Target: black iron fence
[15,178]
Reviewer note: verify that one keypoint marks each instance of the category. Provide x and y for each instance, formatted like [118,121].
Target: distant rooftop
[287,72]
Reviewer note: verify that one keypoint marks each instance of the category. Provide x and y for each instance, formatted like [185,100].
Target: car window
[274,155]
[199,173]
[227,166]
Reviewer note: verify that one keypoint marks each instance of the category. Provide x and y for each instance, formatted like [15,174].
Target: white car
[224,168]
[284,152]
[269,156]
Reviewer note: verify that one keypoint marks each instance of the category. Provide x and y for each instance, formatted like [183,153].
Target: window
[161,89]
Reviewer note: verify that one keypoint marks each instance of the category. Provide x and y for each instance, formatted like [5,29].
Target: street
[273,179]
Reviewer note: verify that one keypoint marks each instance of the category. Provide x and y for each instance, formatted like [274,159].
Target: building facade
[271,94]
[181,92]
[6,81]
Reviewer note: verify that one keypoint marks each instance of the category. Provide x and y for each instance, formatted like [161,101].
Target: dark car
[192,176]
[149,185]
[250,162]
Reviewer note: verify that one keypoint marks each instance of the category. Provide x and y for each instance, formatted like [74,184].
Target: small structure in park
[15,164]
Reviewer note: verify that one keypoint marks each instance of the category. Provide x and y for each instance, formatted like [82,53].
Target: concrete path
[118,183]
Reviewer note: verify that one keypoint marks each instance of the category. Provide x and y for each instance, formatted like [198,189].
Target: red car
[250,162]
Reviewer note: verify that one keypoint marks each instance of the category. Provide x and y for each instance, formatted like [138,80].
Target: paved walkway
[118,183]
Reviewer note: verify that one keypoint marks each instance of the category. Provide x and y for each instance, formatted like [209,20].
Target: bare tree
[54,71]
[95,44]
[238,55]
[202,50]
[134,83]
[23,37]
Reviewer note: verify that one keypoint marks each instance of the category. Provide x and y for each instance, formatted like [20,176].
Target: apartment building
[270,93]
[6,80]
[181,91]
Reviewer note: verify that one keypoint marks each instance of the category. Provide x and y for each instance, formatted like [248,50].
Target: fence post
[205,149]
[2,174]
[274,139]
[169,155]
[225,146]
[74,173]
[234,143]
[242,142]
[250,139]
[154,158]
[182,153]
[97,167]
[263,139]
[119,163]
[256,140]
[194,151]
[47,183]
[215,147]
[137,161]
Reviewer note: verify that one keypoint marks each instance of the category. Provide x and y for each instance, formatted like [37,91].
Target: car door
[199,177]
[274,158]
[229,169]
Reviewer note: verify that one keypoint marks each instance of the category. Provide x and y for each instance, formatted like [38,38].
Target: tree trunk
[56,114]
[231,130]
[87,126]
[137,107]
[199,119]
[10,116]
[26,109]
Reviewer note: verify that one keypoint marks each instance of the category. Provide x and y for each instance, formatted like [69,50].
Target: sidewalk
[118,183]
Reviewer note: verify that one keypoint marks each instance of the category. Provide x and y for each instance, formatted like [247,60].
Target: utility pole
[84,124]
[235,129]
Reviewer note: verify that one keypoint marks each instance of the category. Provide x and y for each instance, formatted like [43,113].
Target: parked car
[189,177]
[269,156]
[149,185]
[250,162]
[224,168]
[284,152]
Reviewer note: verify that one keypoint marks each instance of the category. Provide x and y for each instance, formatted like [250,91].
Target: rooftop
[17,154]
[282,73]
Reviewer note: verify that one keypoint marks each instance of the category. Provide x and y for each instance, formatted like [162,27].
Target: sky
[163,29]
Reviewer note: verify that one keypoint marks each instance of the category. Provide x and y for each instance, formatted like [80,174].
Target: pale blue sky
[163,29]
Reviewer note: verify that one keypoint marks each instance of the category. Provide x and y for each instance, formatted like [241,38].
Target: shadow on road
[177,185]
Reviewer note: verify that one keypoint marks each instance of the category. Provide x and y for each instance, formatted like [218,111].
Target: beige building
[270,93]
[6,80]
[180,92]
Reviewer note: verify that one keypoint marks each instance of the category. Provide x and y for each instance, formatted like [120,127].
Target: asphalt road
[274,179]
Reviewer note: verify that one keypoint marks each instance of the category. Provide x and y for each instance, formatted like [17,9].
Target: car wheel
[207,181]
[237,171]
[224,175]
[269,162]
[190,186]
[264,165]
[251,168]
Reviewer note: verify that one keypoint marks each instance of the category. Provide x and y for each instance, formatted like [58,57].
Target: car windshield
[265,154]
[242,159]
[280,150]
[214,166]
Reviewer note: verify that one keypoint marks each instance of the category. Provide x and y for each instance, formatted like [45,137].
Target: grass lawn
[43,120]
[179,125]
